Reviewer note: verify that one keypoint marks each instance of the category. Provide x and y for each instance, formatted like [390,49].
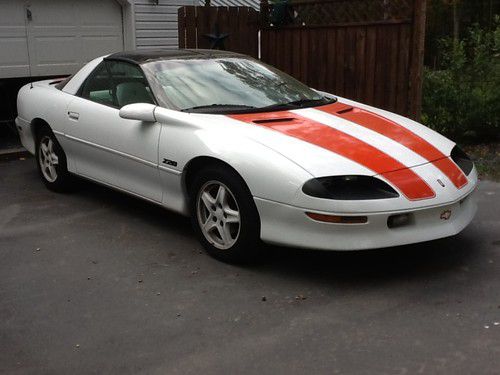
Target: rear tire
[51,161]
[224,215]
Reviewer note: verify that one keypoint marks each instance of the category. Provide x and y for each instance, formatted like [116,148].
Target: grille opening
[462,160]
[266,121]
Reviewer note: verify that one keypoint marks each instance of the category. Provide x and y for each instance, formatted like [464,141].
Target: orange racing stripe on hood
[399,134]
[294,125]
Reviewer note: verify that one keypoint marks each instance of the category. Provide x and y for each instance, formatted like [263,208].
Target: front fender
[267,173]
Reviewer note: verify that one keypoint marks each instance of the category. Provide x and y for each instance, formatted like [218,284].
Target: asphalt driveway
[97,282]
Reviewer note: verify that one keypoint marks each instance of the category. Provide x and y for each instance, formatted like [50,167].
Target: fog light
[400,220]
[338,219]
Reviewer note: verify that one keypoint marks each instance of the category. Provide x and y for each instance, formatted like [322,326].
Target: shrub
[461,99]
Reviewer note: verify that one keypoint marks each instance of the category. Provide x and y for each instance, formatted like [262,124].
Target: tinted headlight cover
[353,187]
[462,160]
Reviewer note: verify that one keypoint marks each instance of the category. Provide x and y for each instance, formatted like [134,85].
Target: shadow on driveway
[364,269]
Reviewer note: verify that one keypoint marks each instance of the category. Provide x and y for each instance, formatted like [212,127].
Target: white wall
[156,25]
[234,3]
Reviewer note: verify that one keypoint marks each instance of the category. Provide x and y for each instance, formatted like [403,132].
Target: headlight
[349,188]
[462,160]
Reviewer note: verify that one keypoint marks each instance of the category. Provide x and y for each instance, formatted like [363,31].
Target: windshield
[226,85]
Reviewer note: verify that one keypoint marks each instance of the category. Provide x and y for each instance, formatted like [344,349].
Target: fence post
[181,27]
[417,60]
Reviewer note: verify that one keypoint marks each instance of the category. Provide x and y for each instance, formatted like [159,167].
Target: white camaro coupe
[249,152]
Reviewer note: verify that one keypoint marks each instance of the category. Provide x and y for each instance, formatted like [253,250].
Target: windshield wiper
[218,107]
[277,106]
[215,107]
[298,104]
[304,102]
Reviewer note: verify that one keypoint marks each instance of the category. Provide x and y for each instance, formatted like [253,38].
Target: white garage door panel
[65,34]
[13,48]
[15,62]
[62,35]
[100,13]
[54,55]
[94,46]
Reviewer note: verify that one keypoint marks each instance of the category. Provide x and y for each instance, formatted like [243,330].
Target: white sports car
[249,152]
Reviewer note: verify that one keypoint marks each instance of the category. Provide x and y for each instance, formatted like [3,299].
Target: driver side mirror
[139,111]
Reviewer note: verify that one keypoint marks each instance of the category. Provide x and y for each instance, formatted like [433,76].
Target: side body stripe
[399,134]
[297,126]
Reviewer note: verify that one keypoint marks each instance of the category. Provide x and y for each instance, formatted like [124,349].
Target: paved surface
[99,282]
[9,139]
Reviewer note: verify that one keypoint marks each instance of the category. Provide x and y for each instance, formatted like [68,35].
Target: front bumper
[287,225]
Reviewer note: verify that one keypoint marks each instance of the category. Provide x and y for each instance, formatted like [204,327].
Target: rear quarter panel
[44,102]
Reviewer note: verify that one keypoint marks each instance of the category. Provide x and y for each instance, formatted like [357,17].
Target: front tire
[224,215]
[51,161]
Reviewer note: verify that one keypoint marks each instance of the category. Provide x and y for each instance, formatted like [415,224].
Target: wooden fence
[233,28]
[367,50]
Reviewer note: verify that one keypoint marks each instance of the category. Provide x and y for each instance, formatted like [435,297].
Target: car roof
[141,57]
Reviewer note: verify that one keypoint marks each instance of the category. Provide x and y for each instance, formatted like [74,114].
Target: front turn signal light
[336,219]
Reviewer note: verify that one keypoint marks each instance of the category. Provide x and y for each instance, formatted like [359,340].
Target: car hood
[346,138]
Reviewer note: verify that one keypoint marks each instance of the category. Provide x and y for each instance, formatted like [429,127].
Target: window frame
[91,76]
[112,83]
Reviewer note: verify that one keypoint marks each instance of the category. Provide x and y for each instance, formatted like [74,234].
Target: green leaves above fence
[462,97]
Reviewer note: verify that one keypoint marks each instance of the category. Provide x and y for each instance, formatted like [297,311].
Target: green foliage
[445,17]
[462,97]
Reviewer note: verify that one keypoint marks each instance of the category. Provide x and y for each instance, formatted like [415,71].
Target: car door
[119,152]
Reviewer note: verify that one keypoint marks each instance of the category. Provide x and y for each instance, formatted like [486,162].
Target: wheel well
[197,164]
[200,162]
[36,125]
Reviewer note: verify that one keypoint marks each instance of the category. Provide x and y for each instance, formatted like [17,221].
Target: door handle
[73,115]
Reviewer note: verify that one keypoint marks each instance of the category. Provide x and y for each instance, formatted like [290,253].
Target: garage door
[56,36]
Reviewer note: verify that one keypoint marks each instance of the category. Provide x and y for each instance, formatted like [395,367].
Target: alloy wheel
[48,159]
[218,215]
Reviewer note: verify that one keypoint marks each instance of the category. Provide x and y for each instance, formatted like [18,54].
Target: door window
[98,86]
[130,85]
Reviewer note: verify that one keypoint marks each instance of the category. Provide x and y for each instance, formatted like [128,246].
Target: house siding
[233,3]
[156,25]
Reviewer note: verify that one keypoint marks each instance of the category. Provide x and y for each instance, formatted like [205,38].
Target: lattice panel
[330,12]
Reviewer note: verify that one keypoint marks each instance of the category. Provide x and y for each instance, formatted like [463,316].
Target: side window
[98,86]
[130,84]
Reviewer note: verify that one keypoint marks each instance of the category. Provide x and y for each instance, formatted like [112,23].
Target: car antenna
[26,19]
